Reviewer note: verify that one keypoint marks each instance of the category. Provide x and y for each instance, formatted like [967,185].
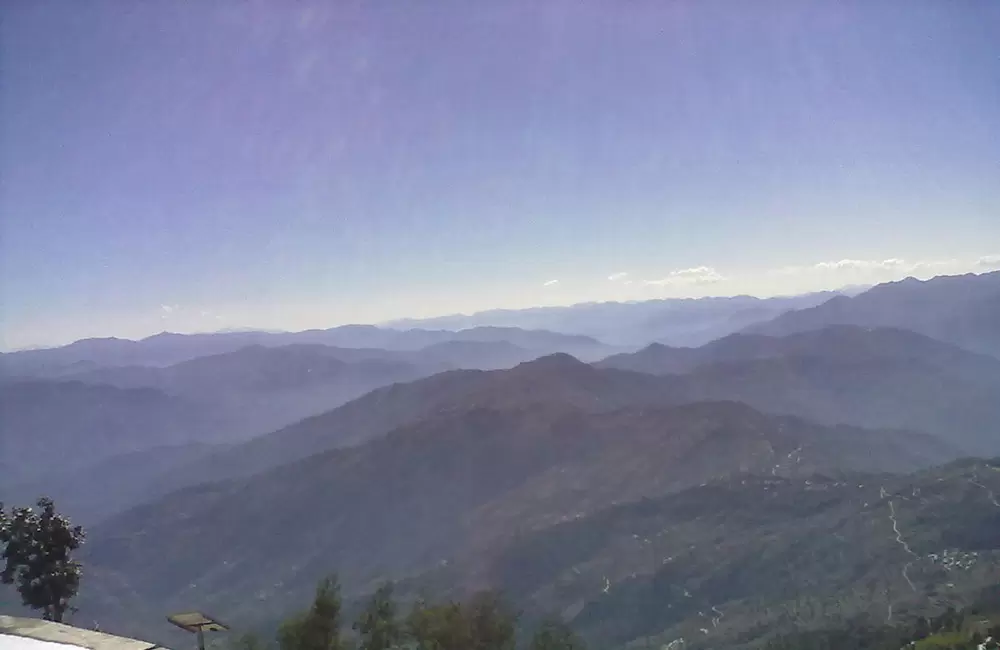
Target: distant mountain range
[675,321]
[832,376]
[54,428]
[98,414]
[879,378]
[646,493]
[168,349]
[446,467]
[963,309]
[94,491]
[258,389]
[835,342]
[868,377]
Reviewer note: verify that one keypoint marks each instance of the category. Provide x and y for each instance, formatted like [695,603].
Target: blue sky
[196,166]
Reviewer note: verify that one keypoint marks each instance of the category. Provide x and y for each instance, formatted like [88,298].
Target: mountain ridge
[948,394]
[961,309]
[453,480]
[169,348]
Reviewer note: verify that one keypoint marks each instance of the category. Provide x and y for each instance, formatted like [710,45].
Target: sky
[196,166]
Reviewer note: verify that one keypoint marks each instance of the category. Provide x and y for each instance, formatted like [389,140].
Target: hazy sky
[204,165]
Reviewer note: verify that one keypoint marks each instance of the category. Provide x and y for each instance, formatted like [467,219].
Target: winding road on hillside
[902,542]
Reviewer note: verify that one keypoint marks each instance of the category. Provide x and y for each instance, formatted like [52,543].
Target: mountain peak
[163,336]
[559,360]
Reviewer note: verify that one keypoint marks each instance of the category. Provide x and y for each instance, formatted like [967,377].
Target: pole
[201,638]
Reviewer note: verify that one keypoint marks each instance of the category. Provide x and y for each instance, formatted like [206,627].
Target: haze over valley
[416,461]
[503,325]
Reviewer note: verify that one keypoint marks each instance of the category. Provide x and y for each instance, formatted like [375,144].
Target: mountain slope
[901,393]
[114,484]
[559,379]
[876,377]
[839,342]
[884,379]
[455,480]
[53,427]
[259,389]
[964,310]
[734,561]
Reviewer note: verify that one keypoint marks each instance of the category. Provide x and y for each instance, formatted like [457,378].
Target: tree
[484,623]
[922,628]
[492,622]
[439,627]
[38,555]
[318,628]
[553,634]
[377,626]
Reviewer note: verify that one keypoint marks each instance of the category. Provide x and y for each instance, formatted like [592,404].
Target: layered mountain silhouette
[168,348]
[836,342]
[134,412]
[52,428]
[97,490]
[964,310]
[875,378]
[259,389]
[675,321]
[878,378]
[453,480]
[721,493]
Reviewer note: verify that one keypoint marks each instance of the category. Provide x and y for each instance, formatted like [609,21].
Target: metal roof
[195,621]
[18,633]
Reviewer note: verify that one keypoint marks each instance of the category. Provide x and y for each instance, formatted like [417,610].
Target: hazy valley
[755,485]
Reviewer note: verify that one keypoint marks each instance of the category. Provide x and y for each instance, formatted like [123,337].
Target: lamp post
[197,623]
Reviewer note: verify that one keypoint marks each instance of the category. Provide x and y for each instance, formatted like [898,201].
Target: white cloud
[550,283]
[698,275]
[934,264]
[167,309]
[989,261]
[891,266]
[853,270]
[614,277]
[861,265]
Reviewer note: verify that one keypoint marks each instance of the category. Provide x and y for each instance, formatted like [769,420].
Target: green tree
[492,623]
[439,627]
[38,557]
[553,634]
[377,626]
[318,628]
[483,623]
